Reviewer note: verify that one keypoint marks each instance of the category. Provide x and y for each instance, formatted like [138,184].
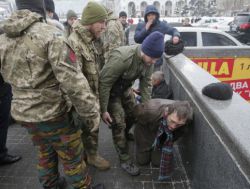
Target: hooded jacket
[39,75]
[141,33]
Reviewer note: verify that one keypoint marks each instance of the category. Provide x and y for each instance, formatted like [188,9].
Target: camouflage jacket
[125,63]
[113,36]
[82,42]
[67,29]
[39,77]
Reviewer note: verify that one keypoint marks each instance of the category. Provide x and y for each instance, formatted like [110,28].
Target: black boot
[9,159]
[130,168]
[61,183]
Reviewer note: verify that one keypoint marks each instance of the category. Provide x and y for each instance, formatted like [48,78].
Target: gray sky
[62,6]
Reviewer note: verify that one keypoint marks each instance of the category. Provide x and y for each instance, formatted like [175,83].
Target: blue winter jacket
[141,33]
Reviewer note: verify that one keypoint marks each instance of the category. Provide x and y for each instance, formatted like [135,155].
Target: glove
[173,49]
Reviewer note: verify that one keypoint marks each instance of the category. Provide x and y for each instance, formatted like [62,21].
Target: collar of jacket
[85,34]
[138,55]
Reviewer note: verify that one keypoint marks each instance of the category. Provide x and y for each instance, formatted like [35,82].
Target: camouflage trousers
[89,139]
[58,140]
[120,109]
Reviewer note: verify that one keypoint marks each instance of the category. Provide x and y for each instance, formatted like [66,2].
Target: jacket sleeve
[110,73]
[145,84]
[170,30]
[140,33]
[72,81]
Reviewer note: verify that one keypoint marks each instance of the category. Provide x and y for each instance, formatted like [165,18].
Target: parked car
[223,25]
[196,37]
[220,54]
[240,27]
[241,23]
[205,21]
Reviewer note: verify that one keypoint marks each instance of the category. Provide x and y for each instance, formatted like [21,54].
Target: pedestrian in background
[123,18]
[152,23]
[50,12]
[186,22]
[160,88]
[114,35]
[71,18]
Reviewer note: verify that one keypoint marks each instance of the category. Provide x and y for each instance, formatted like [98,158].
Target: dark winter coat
[161,91]
[141,33]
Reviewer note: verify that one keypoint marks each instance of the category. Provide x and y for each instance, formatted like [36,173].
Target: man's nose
[104,26]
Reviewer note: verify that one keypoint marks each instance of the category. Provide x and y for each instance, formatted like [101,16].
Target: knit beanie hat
[218,91]
[123,13]
[93,12]
[153,45]
[71,14]
[49,5]
[34,6]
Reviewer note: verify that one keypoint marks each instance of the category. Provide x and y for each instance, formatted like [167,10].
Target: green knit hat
[93,12]
[71,14]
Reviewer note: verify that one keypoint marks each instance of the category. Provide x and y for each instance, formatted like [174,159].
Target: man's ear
[165,113]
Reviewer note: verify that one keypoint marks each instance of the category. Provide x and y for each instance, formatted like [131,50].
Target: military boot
[98,162]
[130,168]
[61,183]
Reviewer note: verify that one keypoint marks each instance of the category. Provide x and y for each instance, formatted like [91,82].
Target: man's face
[97,28]
[151,17]
[149,60]
[155,82]
[71,20]
[174,122]
[123,20]
[50,14]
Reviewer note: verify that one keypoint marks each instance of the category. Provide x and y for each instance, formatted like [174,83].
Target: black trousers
[5,104]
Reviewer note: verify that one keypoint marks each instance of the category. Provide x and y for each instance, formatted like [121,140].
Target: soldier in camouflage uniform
[39,64]
[124,66]
[71,18]
[113,36]
[82,40]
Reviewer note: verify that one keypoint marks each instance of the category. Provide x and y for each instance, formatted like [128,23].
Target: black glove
[173,49]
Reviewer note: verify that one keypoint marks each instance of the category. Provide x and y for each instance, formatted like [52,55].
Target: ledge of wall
[216,152]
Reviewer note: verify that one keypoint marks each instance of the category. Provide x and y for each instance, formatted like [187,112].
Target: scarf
[164,142]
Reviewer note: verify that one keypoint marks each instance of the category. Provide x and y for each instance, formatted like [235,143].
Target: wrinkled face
[155,82]
[71,20]
[149,60]
[174,122]
[123,20]
[97,28]
[151,16]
